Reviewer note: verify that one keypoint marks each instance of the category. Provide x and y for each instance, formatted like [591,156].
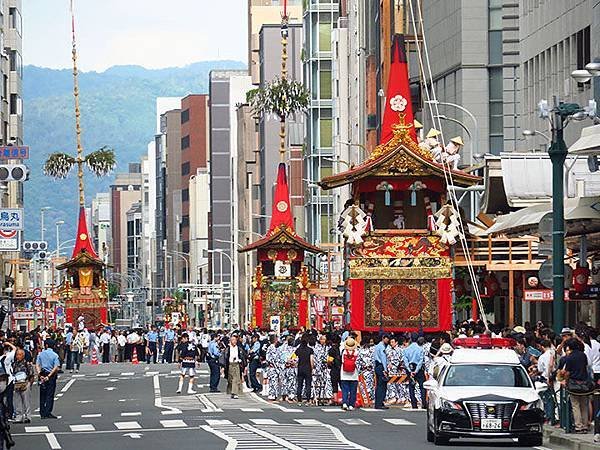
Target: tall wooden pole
[284,57]
[79,159]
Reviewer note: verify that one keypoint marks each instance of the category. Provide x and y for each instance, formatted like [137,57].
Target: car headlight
[537,404]
[447,404]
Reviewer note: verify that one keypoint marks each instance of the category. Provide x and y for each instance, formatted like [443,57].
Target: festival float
[281,281]
[400,224]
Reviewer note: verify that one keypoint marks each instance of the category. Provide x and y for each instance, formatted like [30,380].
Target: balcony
[495,253]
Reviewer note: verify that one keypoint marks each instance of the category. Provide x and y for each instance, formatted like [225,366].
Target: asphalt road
[114,406]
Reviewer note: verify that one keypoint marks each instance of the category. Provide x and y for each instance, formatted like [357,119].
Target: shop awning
[581,214]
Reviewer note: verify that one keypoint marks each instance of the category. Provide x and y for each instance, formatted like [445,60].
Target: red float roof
[83,241]
[281,232]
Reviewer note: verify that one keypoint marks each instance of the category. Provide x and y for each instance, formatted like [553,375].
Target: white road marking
[151,374]
[175,371]
[59,395]
[231,443]
[215,422]
[158,399]
[309,421]
[82,427]
[128,425]
[251,410]
[271,437]
[282,408]
[105,374]
[209,406]
[110,388]
[90,416]
[354,422]
[127,374]
[130,414]
[80,401]
[36,430]
[79,376]
[399,422]
[52,441]
[68,385]
[263,421]
[173,423]
[170,413]
[133,435]
[113,380]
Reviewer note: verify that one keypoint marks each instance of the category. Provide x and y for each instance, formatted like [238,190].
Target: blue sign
[11,219]
[14,152]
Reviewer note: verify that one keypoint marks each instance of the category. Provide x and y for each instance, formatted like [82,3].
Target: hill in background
[117,110]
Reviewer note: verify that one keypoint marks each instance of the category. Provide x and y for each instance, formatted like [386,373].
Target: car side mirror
[430,384]
[540,387]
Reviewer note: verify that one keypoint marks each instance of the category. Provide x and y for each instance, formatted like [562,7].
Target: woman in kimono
[274,369]
[366,367]
[321,381]
[290,369]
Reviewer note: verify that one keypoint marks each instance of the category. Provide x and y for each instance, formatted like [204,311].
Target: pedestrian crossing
[290,427]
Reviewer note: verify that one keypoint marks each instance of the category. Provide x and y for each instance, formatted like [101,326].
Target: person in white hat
[432,144]
[452,152]
[419,129]
[349,374]
[441,360]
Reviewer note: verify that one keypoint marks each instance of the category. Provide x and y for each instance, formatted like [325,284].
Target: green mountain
[117,110]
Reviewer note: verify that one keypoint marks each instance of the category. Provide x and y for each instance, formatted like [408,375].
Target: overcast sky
[150,33]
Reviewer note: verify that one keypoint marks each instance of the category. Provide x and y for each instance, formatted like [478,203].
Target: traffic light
[35,246]
[14,172]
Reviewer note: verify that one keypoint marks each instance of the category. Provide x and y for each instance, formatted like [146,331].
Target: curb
[571,442]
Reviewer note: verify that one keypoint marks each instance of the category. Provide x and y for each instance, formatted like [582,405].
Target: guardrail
[495,252]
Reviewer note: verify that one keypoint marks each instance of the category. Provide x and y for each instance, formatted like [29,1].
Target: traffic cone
[134,360]
[94,360]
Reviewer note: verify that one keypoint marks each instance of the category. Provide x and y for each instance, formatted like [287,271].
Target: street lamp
[530,133]
[58,223]
[559,116]
[43,210]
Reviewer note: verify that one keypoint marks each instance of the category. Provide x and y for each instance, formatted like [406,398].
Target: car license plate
[491,424]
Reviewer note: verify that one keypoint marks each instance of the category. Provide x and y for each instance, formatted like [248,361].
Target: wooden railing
[501,253]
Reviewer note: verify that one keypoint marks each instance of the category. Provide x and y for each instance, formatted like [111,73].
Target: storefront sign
[30,315]
[540,295]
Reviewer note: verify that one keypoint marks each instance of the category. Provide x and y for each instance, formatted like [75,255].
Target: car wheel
[531,441]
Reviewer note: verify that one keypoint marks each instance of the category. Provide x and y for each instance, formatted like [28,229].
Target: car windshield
[487,375]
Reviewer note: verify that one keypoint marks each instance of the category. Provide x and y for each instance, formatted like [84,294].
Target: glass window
[495,50]
[324,36]
[487,375]
[326,132]
[496,87]
[325,225]
[15,20]
[185,168]
[185,195]
[325,84]
[185,142]
[185,115]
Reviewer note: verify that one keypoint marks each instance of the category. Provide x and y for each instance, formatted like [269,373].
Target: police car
[484,392]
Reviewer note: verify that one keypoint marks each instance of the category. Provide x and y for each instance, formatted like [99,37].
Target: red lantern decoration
[492,287]
[581,275]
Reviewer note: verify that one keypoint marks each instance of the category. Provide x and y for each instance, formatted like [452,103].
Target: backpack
[349,364]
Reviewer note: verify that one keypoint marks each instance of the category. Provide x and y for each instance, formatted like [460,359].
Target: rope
[432,103]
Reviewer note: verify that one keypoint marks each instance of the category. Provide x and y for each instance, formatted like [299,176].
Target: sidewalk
[572,441]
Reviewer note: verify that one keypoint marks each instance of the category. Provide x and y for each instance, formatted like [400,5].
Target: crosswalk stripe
[90,416]
[264,422]
[130,414]
[251,410]
[82,427]
[354,422]
[151,374]
[215,422]
[175,371]
[332,410]
[52,441]
[37,430]
[399,422]
[127,374]
[308,421]
[173,423]
[106,374]
[127,425]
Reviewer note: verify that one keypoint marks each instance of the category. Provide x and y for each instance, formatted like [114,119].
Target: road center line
[52,441]
[68,385]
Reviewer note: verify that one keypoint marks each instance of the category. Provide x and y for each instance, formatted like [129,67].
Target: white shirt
[205,340]
[233,354]
[105,338]
[121,340]
[593,355]
[133,338]
[9,358]
[349,376]
[543,364]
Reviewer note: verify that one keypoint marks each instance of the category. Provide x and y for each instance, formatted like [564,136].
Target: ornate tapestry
[281,301]
[401,247]
[92,317]
[401,303]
